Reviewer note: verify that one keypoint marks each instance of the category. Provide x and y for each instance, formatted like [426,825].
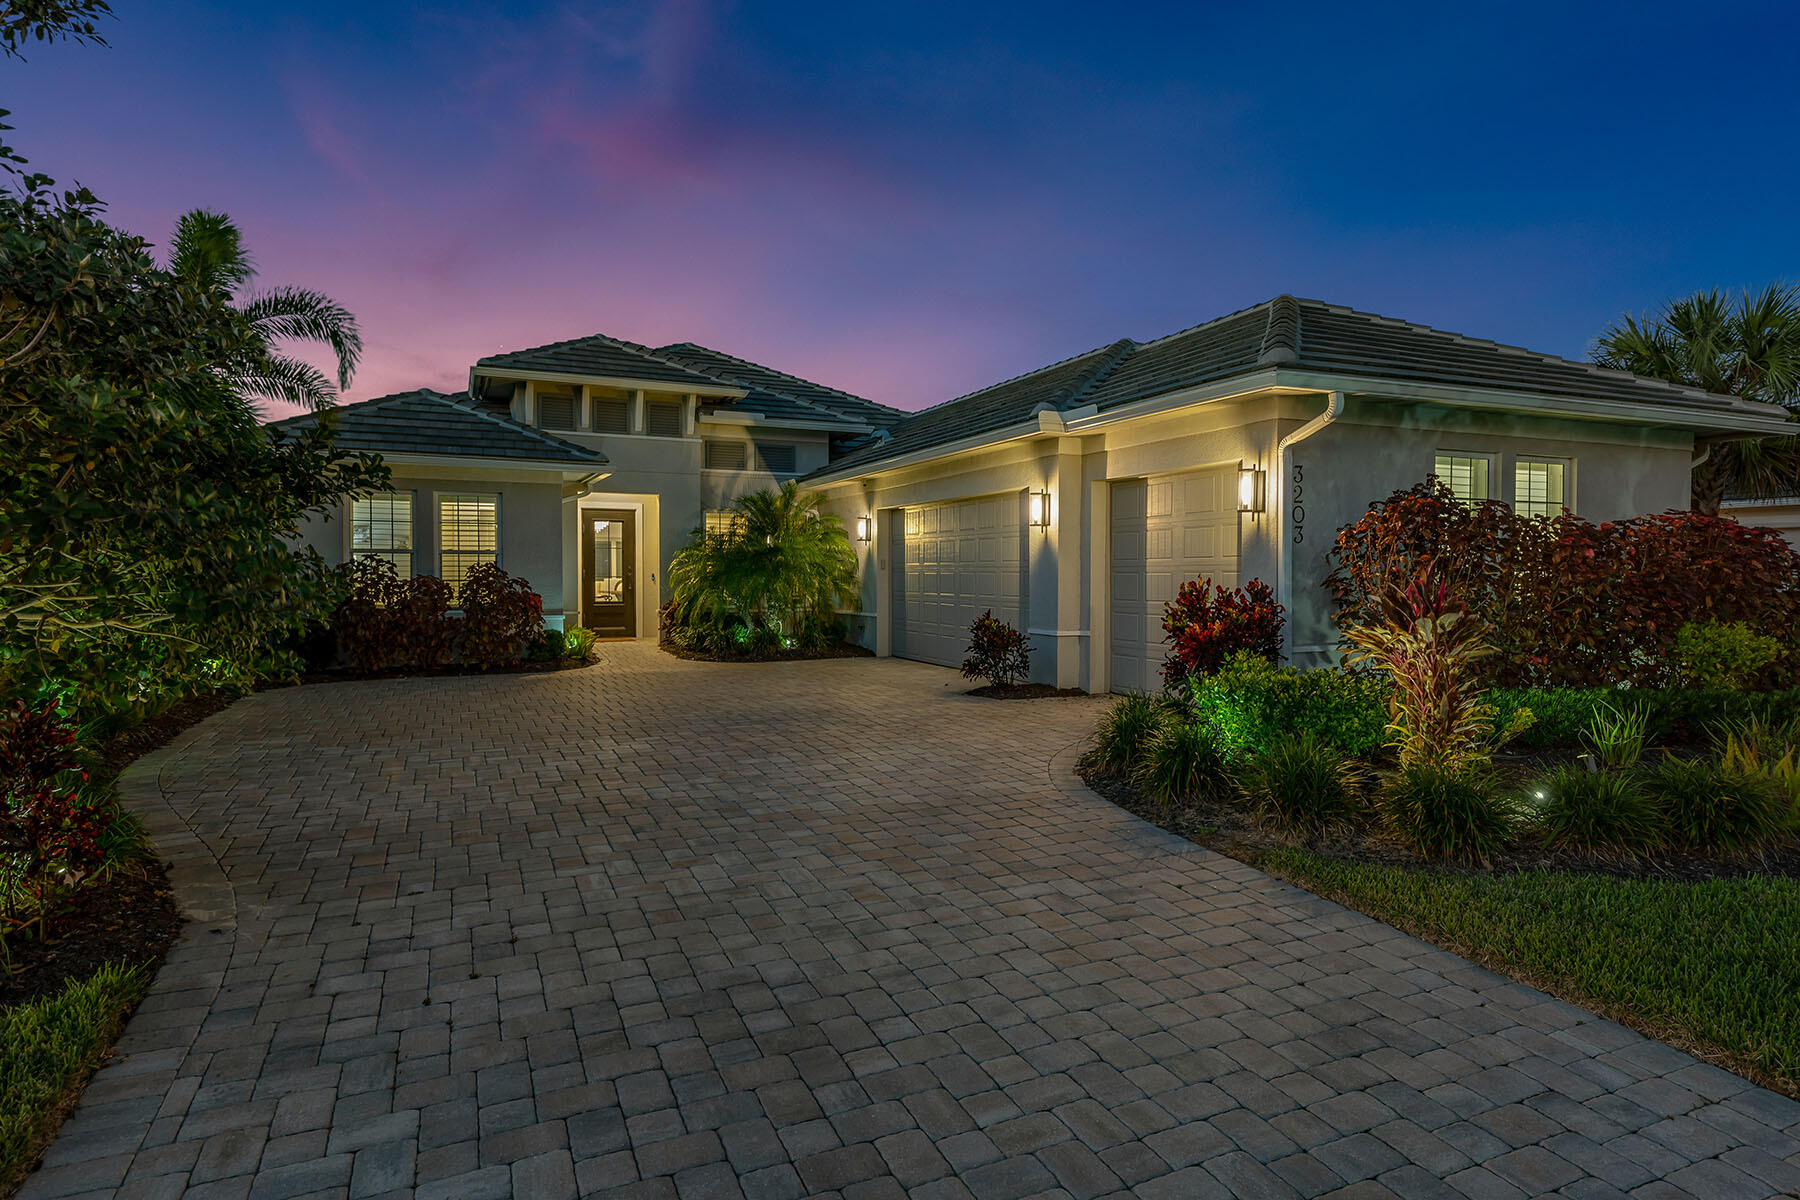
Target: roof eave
[415,458]
[618,381]
[728,416]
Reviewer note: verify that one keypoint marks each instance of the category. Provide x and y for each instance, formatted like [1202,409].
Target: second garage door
[1166,530]
[959,559]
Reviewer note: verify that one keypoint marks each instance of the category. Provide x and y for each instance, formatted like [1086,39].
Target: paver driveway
[688,929]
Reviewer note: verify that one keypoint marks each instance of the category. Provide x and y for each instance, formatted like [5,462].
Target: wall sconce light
[1253,486]
[865,528]
[1039,509]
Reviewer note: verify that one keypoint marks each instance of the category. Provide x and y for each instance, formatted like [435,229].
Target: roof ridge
[824,387]
[1219,320]
[1281,336]
[1122,349]
[1061,362]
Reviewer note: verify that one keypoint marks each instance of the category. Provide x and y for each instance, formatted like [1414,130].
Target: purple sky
[914,200]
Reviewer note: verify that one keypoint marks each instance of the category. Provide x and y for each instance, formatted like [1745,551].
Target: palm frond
[306,315]
[208,252]
[288,380]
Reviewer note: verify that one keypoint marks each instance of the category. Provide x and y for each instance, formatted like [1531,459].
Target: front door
[608,561]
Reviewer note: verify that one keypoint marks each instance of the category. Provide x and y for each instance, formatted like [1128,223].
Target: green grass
[1710,967]
[47,1049]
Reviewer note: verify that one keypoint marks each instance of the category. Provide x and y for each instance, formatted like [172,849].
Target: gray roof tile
[428,422]
[606,357]
[778,394]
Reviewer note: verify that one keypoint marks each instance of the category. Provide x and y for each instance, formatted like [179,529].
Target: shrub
[1301,785]
[1711,807]
[1616,736]
[1184,763]
[1126,731]
[386,621]
[998,653]
[1205,628]
[1597,810]
[1438,715]
[1250,702]
[548,646]
[1720,656]
[51,840]
[1445,813]
[501,616]
[579,643]
[1569,602]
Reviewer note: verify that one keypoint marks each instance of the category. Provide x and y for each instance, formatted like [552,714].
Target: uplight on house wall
[1039,509]
[1253,485]
[865,528]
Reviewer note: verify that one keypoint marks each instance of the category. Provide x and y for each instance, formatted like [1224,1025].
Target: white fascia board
[573,470]
[1752,419]
[647,385]
[722,417]
[980,441]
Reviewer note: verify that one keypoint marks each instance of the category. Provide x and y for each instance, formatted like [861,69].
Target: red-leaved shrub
[501,616]
[1208,624]
[387,621]
[998,652]
[1569,602]
[50,839]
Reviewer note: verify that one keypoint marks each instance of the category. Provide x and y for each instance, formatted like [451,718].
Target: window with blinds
[726,456]
[777,460]
[468,533]
[662,418]
[1540,487]
[722,521]
[557,408]
[1466,475]
[381,526]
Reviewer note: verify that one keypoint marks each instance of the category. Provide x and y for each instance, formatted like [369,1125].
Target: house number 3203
[1297,513]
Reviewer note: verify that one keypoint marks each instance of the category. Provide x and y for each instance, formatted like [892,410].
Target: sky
[914,200]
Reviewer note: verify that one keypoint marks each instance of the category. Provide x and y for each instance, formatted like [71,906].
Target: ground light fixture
[1040,509]
[865,528]
[1253,487]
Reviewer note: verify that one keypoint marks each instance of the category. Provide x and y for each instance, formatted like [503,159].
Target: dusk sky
[914,200]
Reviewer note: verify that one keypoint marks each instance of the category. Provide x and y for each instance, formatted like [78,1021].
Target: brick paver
[660,928]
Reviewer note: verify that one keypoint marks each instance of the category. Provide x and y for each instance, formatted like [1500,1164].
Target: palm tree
[1746,346]
[209,254]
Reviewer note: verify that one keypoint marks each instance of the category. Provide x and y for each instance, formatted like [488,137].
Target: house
[582,466]
[1071,500]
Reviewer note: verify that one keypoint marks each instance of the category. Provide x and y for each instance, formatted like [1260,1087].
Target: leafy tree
[144,511]
[209,253]
[1745,346]
[785,565]
[23,21]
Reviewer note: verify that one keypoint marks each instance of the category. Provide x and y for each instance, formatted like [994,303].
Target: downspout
[1284,558]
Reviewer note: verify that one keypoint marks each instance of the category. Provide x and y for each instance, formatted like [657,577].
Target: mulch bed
[844,651]
[352,673]
[1231,830]
[1023,691]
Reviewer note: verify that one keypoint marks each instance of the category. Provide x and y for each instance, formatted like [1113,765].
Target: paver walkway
[826,928]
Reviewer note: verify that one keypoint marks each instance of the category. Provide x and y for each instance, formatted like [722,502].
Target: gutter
[1284,558]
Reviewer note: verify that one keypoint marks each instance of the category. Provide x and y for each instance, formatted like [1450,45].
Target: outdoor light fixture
[1252,489]
[865,528]
[1040,509]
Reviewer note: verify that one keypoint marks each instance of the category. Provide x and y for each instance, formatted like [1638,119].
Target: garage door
[960,559]
[1166,530]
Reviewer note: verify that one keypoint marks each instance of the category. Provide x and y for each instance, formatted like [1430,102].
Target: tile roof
[428,422]
[1285,333]
[778,394]
[607,357]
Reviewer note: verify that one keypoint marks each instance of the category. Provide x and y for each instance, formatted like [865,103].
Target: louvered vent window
[777,460]
[662,418]
[611,415]
[556,410]
[725,456]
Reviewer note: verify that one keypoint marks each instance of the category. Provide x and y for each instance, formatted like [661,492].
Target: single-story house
[1071,501]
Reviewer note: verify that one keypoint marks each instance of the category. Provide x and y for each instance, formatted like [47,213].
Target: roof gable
[604,357]
[777,393]
[428,422]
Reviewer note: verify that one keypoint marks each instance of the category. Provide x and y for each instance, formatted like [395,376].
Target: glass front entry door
[608,564]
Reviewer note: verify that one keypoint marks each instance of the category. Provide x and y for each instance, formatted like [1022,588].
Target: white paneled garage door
[959,559]
[1166,530]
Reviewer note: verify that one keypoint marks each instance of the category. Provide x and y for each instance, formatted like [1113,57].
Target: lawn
[1710,967]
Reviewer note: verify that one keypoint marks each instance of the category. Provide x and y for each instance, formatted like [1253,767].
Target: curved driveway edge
[661,928]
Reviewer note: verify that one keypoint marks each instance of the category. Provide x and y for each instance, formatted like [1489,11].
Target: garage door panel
[964,557]
[1165,531]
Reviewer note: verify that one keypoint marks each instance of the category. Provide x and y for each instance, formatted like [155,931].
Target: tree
[144,513]
[23,21]
[1746,346]
[209,254]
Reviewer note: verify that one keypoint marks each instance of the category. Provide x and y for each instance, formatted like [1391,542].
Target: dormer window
[776,459]
[558,407]
[663,418]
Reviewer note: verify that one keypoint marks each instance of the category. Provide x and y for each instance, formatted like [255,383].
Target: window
[381,526]
[726,456]
[722,520]
[611,414]
[557,407]
[1467,475]
[1540,487]
[778,460]
[468,533]
[662,418]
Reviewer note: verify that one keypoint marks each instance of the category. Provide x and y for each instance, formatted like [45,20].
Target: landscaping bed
[776,654]
[1022,691]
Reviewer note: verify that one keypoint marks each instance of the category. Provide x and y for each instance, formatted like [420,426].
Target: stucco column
[885,544]
[1068,518]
